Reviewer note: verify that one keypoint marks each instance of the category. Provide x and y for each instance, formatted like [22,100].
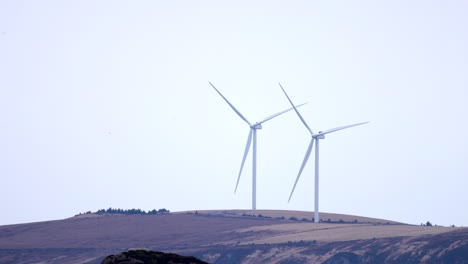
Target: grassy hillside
[224,236]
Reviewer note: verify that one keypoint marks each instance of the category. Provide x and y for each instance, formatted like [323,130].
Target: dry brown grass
[282,233]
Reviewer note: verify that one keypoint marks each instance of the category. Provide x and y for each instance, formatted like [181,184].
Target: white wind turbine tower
[252,137]
[315,137]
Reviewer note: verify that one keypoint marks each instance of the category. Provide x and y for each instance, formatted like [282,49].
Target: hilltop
[232,236]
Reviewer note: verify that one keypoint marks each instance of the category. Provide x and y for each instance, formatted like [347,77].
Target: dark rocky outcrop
[150,257]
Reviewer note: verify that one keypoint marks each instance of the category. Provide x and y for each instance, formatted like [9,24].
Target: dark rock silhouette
[150,257]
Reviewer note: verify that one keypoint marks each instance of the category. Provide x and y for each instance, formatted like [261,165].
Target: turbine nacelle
[256,126]
[319,135]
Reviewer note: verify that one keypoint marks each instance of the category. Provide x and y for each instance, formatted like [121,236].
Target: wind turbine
[252,137]
[315,137]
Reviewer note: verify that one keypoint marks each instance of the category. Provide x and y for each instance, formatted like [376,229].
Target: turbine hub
[319,135]
[257,126]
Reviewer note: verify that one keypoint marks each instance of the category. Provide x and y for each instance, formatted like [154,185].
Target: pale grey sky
[107,104]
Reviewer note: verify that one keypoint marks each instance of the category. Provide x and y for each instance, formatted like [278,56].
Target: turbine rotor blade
[280,113]
[304,162]
[341,127]
[246,152]
[297,112]
[233,108]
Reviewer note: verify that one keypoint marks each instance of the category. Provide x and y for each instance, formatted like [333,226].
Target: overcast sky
[107,104]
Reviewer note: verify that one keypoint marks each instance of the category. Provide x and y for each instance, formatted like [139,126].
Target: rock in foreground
[149,257]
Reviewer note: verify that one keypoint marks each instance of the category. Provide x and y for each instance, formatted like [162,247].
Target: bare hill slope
[226,236]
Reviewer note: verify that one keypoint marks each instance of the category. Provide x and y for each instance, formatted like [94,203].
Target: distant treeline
[128,211]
